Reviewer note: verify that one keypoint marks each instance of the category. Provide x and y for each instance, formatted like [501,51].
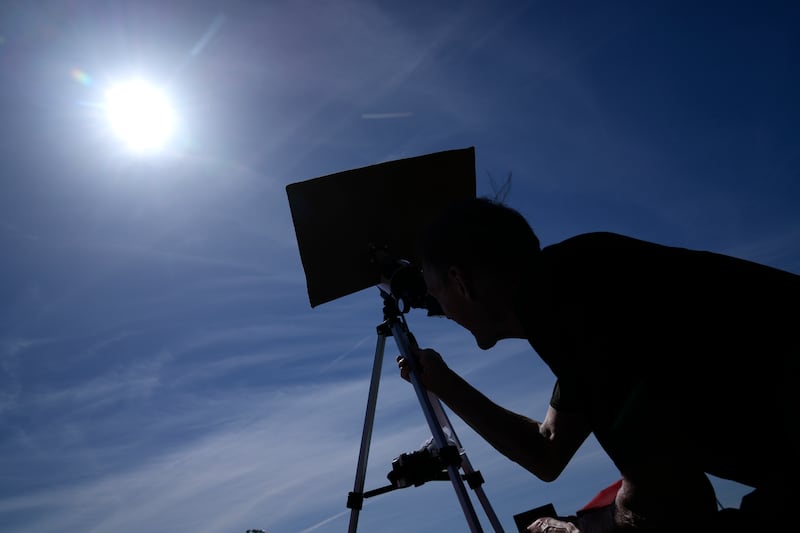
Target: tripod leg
[355,499]
[466,466]
[404,345]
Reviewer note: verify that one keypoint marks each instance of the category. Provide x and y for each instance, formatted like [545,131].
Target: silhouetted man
[682,363]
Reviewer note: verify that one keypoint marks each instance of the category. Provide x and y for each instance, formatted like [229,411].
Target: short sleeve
[561,399]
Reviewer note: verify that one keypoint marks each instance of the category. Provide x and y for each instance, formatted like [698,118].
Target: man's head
[474,256]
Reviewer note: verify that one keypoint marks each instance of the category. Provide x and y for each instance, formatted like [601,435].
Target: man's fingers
[402,364]
[552,525]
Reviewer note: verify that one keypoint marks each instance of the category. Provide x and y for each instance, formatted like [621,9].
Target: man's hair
[479,233]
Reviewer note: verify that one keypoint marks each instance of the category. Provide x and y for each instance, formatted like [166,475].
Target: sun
[140,115]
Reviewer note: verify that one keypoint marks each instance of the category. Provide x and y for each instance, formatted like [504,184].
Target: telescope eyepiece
[405,282]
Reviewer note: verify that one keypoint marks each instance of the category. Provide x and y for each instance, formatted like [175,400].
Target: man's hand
[552,525]
[432,371]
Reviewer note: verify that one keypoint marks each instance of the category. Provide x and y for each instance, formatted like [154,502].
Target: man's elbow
[545,471]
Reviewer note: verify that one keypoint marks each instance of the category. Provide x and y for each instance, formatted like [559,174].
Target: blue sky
[161,368]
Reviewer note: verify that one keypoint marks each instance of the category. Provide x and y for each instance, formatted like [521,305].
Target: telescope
[357,229]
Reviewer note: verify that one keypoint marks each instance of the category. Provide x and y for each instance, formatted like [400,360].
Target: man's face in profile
[459,305]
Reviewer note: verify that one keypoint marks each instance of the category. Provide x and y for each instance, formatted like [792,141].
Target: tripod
[394,324]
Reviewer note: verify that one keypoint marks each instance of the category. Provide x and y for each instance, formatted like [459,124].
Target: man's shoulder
[614,255]
[596,236]
[615,250]
[602,240]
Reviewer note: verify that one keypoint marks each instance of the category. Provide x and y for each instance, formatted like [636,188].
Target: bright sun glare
[140,114]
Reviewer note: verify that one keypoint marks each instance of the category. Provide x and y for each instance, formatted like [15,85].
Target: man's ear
[461,281]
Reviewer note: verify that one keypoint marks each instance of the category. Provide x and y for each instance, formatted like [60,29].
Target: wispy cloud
[383,116]
[248,472]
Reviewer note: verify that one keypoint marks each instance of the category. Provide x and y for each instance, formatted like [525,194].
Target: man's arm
[543,448]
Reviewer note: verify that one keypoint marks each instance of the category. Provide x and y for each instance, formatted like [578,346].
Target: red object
[604,497]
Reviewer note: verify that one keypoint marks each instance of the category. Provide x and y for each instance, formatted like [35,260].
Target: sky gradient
[161,368]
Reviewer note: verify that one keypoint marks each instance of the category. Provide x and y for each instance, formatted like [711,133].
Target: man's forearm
[514,435]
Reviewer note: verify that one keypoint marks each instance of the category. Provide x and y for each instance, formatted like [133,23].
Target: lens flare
[80,76]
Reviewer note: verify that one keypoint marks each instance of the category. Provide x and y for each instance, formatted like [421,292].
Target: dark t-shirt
[670,351]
